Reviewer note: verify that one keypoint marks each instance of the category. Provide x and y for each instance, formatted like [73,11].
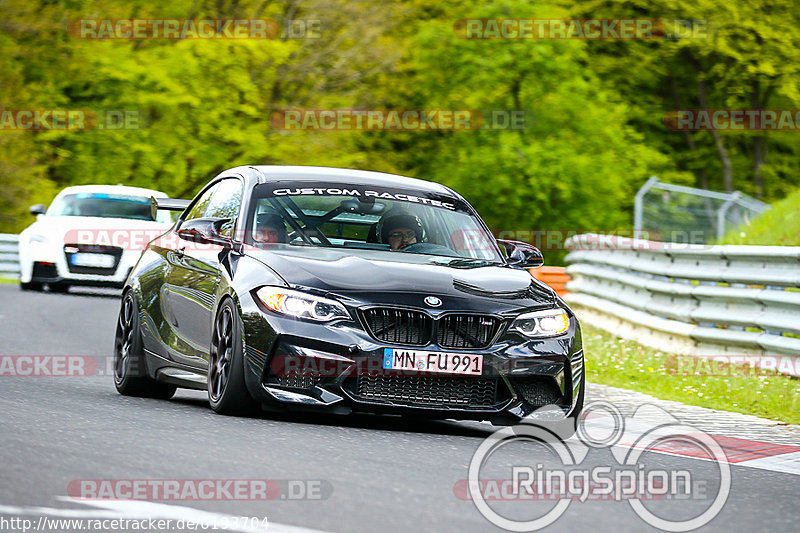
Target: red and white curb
[746,440]
[738,451]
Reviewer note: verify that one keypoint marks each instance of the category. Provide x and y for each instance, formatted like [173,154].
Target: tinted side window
[225,203]
[226,200]
[199,208]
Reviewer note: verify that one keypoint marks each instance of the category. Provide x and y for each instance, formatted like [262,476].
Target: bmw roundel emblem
[433,301]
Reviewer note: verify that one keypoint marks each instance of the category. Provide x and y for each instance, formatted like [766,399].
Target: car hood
[355,272]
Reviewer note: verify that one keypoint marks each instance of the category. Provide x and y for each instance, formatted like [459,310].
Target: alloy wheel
[219,364]
[125,338]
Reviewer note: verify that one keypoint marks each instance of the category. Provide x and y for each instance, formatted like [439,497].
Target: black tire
[575,416]
[227,392]
[59,287]
[130,370]
[31,286]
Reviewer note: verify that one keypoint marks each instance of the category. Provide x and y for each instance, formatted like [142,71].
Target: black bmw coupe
[341,290]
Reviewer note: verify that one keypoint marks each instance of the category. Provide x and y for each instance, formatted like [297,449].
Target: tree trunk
[707,204]
[757,101]
[725,159]
[758,154]
[687,135]
[727,168]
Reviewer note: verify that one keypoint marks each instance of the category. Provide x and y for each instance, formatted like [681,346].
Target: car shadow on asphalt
[91,292]
[378,422]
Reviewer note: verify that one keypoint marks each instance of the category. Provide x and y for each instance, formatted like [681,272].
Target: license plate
[92,260]
[422,361]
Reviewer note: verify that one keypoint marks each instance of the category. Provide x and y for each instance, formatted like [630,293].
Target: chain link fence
[675,213]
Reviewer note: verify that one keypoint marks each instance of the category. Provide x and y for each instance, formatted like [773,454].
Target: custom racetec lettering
[363,193]
[309,190]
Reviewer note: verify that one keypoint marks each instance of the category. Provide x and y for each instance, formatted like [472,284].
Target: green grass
[778,225]
[627,364]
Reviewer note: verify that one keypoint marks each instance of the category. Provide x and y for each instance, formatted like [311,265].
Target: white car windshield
[102,205]
[394,220]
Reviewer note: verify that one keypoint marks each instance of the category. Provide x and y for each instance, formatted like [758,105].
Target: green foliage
[576,164]
[594,110]
[745,57]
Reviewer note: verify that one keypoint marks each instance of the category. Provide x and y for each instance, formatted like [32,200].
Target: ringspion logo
[562,473]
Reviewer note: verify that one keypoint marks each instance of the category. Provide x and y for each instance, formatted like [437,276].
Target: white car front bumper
[95,265]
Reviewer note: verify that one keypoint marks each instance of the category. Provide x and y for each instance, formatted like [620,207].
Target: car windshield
[103,205]
[375,218]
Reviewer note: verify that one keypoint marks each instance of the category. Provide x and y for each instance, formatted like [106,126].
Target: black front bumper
[337,368]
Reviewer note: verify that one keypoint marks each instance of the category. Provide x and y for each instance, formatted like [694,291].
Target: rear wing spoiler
[167,204]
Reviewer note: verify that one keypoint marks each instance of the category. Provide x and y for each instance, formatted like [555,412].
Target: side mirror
[205,231]
[522,254]
[38,209]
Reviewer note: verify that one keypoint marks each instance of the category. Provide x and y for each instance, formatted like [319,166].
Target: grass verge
[742,389]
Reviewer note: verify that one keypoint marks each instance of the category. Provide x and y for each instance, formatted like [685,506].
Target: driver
[270,229]
[400,231]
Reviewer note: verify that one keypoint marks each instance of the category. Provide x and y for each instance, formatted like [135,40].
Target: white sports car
[90,235]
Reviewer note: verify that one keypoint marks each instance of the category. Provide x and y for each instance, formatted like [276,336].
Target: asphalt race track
[346,474]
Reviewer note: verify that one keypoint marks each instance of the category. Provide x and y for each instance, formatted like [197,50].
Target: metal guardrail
[9,256]
[708,299]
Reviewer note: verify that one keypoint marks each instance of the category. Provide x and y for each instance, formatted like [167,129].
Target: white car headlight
[547,323]
[301,305]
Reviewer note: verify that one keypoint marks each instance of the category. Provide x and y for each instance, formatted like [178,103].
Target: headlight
[547,323]
[301,305]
